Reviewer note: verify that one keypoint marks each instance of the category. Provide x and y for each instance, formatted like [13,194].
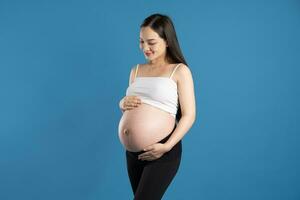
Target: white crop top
[160,92]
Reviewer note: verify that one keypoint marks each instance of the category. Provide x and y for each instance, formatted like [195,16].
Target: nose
[144,47]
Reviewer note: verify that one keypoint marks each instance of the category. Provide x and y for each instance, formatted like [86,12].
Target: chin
[150,58]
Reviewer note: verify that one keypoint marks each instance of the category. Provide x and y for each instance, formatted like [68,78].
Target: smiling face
[152,45]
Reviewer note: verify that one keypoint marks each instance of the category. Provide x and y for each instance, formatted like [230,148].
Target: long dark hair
[163,26]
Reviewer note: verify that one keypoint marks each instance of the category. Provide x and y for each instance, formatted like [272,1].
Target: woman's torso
[148,124]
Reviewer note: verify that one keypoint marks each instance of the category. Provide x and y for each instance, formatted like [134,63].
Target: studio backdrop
[64,66]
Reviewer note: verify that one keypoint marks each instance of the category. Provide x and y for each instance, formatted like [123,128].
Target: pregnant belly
[143,126]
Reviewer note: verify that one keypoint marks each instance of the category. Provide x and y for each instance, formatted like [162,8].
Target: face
[152,45]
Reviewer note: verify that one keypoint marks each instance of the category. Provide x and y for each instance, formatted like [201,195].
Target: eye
[149,43]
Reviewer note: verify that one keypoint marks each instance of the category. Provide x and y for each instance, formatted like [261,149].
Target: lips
[148,54]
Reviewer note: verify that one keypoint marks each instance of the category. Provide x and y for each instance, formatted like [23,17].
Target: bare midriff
[143,126]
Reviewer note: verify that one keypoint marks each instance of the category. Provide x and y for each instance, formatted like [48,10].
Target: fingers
[148,157]
[144,156]
[131,102]
[131,105]
[134,99]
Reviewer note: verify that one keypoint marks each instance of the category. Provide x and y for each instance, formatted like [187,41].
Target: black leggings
[150,179]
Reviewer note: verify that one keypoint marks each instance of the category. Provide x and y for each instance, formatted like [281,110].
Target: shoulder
[132,73]
[134,67]
[183,72]
[142,65]
[183,69]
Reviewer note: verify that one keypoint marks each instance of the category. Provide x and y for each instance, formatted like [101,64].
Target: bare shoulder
[183,73]
[132,73]
[133,68]
[142,65]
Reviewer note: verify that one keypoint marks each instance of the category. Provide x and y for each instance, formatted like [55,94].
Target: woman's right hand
[130,102]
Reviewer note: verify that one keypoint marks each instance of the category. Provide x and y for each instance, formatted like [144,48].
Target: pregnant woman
[158,110]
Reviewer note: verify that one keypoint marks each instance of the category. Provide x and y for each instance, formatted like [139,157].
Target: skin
[150,41]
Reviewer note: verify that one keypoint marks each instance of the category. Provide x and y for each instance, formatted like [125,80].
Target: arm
[130,81]
[188,106]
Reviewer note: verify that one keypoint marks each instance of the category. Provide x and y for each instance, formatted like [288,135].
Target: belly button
[126,131]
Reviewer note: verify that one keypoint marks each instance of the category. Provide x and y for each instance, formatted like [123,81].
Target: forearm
[183,126]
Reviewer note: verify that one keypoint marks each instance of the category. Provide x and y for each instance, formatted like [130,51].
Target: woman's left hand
[153,152]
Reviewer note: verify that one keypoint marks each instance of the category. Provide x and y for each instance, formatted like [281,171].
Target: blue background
[64,66]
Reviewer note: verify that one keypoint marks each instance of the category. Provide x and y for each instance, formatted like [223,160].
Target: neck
[159,62]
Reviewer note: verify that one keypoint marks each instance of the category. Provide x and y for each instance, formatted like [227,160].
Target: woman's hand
[130,102]
[153,152]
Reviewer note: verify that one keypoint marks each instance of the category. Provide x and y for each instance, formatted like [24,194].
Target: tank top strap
[136,70]
[174,70]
